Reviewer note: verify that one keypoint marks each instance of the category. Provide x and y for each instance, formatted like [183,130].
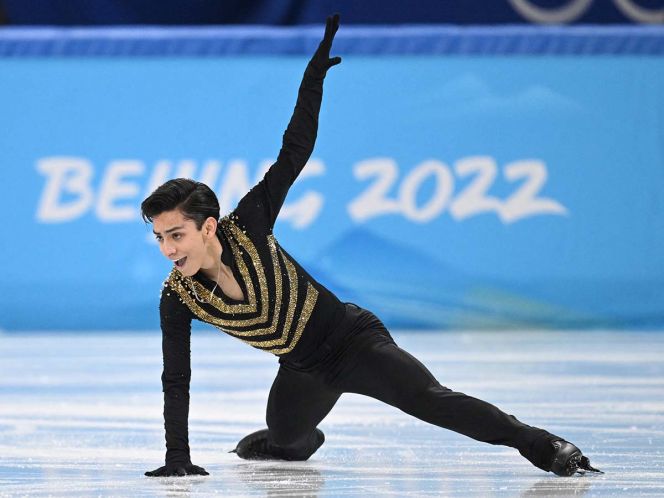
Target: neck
[212,266]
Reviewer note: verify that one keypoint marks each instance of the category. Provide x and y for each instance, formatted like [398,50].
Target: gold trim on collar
[229,321]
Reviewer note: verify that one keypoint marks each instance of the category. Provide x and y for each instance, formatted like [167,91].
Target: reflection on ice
[283,478]
[575,486]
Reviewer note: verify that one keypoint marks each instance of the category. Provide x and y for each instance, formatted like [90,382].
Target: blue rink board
[428,39]
[520,191]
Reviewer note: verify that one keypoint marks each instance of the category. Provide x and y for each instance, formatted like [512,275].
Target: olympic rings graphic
[576,8]
[640,14]
[556,15]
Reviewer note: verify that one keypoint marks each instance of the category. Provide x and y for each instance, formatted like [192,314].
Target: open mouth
[180,262]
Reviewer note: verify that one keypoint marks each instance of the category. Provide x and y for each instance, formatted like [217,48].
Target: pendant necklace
[216,283]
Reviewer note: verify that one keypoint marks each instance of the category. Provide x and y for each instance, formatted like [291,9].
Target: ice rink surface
[81,416]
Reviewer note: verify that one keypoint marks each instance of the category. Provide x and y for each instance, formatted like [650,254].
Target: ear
[210,227]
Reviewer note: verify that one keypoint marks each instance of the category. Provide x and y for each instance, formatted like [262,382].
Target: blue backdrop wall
[468,186]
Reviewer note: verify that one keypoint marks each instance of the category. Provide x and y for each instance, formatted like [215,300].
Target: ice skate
[256,446]
[569,460]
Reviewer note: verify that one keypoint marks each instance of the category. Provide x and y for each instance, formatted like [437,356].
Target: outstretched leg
[298,402]
[386,372]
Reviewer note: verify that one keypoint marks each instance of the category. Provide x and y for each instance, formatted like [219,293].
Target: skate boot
[568,460]
[256,446]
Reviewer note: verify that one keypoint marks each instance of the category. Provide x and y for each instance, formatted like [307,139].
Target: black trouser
[364,359]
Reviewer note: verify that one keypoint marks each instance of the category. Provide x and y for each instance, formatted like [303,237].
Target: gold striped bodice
[277,304]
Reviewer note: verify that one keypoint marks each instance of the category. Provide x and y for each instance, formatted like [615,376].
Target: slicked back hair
[195,200]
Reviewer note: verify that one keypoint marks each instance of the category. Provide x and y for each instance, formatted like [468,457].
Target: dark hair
[195,200]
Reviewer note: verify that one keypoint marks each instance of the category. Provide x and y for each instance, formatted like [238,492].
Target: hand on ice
[178,470]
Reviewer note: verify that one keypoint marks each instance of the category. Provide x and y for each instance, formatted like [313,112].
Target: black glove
[178,470]
[321,61]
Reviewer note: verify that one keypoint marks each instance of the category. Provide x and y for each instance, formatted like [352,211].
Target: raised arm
[300,135]
[176,333]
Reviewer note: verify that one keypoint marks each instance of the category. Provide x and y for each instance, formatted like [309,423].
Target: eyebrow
[179,227]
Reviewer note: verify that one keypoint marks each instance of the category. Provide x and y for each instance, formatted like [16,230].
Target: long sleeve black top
[284,310]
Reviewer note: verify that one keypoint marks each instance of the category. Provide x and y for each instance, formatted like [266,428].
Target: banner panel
[462,192]
[292,12]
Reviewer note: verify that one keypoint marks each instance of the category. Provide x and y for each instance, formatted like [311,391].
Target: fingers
[331,26]
[321,58]
[177,471]
[166,472]
[156,473]
[196,470]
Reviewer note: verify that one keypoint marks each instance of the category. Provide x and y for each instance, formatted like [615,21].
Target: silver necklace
[216,283]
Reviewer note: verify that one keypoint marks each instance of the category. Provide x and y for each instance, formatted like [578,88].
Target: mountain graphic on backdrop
[407,288]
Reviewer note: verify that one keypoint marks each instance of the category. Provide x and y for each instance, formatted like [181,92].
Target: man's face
[180,241]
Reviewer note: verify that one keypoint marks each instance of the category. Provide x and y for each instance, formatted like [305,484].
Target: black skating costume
[325,347]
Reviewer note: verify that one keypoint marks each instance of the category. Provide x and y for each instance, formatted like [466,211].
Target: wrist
[314,71]
[177,459]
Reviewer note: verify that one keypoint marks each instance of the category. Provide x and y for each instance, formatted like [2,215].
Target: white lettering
[160,174]
[235,185]
[374,201]
[186,168]
[113,188]
[473,200]
[263,166]
[440,197]
[70,175]
[304,211]
[524,202]
[210,174]
[68,191]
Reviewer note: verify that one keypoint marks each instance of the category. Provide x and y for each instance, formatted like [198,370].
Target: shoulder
[170,300]
[240,227]
[253,210]
[171,284]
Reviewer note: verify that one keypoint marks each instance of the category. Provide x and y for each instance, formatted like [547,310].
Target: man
[233,274]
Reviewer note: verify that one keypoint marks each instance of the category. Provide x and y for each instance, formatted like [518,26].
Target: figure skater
[233,274]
